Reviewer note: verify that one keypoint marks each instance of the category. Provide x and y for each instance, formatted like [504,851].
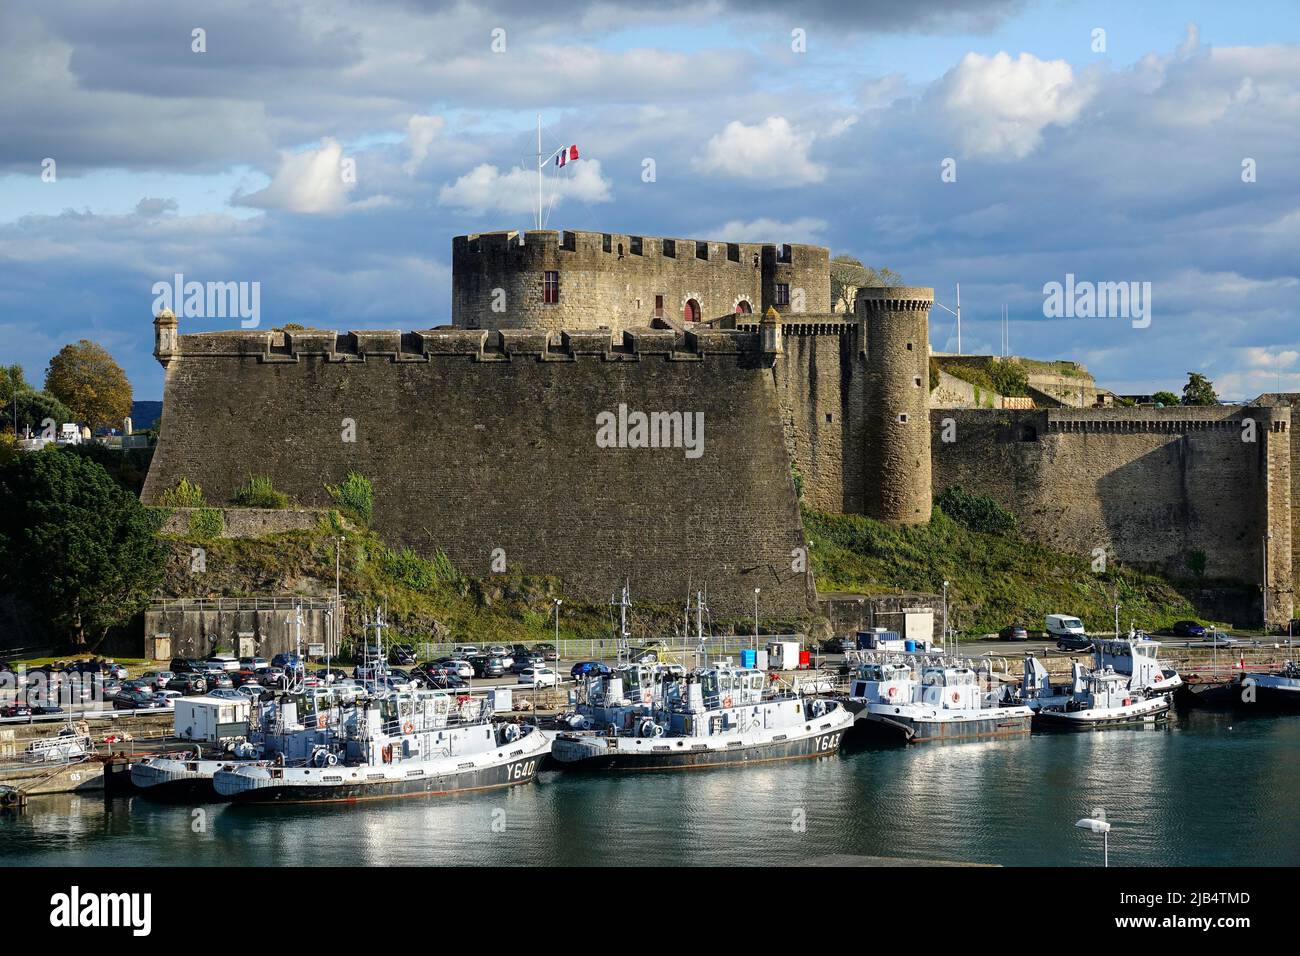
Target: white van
[1064,625]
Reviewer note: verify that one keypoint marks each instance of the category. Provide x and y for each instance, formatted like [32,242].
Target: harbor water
[1208,789]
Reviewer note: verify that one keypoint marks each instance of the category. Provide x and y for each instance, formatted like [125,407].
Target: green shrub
[206,523]
[184,495]
[1196,562]
[408,569]
[977,512]
[1009,379]
[356,494]
[259,492]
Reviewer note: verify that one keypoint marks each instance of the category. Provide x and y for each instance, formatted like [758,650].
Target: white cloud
[999,107]
[310,181]
[773,151]
[421,131]
[807,229]
[1259,357]
[486,189]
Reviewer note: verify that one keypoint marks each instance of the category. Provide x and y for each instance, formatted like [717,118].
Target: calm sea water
[1208,789]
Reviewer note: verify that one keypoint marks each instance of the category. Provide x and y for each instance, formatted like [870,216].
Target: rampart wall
[485,443]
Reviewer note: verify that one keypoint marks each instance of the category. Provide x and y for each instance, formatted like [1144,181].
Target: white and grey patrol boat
[1095,698]
[289,728]
[402,744]
[649,717]
[943,702]
[1139,656]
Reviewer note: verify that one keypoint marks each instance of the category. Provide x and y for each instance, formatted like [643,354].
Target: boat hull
[1243,695]
[919,729]
[161,778]
[590,752]
[1146,713]
[343,784]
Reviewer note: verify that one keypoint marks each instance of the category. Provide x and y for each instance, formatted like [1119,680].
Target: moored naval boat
[946,702]
[401,744]
[290,728]
[1270,692]
[1095,697]
[1138,654]
[652,718]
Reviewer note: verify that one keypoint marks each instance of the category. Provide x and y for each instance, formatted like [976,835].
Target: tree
[76,545]
[848,275]
[1166,398]
[1199,390]
[86,379]
[32,407]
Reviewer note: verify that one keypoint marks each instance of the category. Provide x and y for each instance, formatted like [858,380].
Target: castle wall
[479,441]
[820,382]
[612,279]
[1149,486]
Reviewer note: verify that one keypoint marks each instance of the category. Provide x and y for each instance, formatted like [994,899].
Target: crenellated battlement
[626,246]
[291,346]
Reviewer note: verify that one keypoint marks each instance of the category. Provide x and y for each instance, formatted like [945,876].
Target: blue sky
[1115,165]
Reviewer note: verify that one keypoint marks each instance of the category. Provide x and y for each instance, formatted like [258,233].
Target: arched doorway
[691,311]
[742,308]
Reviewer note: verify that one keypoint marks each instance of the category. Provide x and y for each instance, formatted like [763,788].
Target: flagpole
[539,170]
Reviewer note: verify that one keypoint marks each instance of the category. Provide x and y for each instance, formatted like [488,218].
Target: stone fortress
[481,437]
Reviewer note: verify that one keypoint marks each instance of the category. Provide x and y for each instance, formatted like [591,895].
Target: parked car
[135,700]
[254,663]
[192,683]
[166,698]
[588,669]
[219,680]
[331,674]
[465,651]
[226,661]
[1075,642]
[16,708]
[46,709]
[157,679]
[457,665]
[114,669]
[838,645]
[643,655]
[286,661]
[184,665]
[1188,629]
[401,654]
[140,686]
[539,676]
[525,661]
[228,693]
[442,681]
[547,650]
[487,666]
[1219,639]
[1014,632]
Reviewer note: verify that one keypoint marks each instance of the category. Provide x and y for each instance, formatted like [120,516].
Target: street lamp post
[338,548]
[945,617]
[558,602]
[756,590]
[1098,824]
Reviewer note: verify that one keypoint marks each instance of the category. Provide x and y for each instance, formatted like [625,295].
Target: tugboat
[403,744]
[1094,698]
[1138,654]
[289,729]
[946,703]
[646,718]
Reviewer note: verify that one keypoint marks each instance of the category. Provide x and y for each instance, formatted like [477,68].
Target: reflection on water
[1205,790]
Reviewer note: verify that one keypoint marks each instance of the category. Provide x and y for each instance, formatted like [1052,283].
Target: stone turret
[895,327]
[166,342]
[770,332]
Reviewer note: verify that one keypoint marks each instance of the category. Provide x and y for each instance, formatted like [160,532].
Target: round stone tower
[894,324]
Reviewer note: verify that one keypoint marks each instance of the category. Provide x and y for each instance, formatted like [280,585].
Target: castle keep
[483,436]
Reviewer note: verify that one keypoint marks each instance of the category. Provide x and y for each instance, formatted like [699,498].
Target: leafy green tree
[75,544]
[32,407]
[1166,398]
[1009,378]
[1199,390]
[86,379]
[849,274]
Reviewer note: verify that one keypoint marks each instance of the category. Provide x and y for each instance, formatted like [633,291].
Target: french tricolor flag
[567,155]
